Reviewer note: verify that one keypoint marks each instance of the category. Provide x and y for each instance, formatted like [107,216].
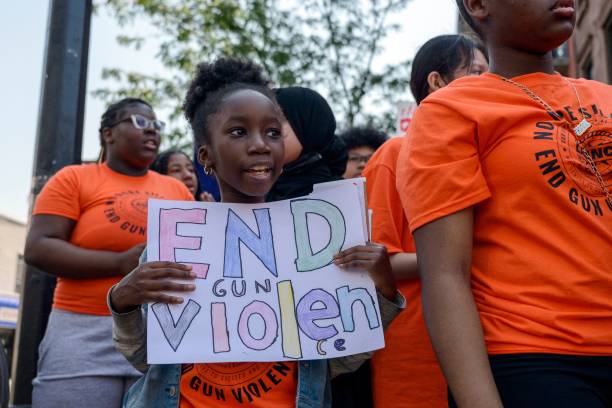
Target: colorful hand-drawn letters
[267,289]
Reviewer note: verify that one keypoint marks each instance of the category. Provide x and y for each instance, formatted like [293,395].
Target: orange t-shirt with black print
[405,374]
[110,211]
[225,385]
[542,247]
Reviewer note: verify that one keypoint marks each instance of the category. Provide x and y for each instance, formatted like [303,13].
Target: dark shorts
[551,380]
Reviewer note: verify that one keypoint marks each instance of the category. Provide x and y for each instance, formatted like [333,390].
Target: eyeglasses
[142,123]
[357,158]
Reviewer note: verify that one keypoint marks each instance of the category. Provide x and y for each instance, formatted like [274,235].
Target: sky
[23,26]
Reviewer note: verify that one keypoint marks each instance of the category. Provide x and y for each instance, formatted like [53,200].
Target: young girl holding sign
[238,128]
[506,182]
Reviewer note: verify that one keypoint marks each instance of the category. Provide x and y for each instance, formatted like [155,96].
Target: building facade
[591,51]
[12,242]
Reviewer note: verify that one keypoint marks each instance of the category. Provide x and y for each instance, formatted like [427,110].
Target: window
[581,10]
[560,58]
[562,51]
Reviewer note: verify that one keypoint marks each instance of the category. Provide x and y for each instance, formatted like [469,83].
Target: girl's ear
[107,136]
[205,158]
[477,9]
[435,81]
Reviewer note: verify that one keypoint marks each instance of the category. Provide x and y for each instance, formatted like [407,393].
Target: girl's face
[478,66]
[293,147]
[181,168]
[245,147]
[137,148]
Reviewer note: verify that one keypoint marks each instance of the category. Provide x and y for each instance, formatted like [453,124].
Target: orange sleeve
[61,195]
[181,189]
[387,214]
[185,193]
[439,171]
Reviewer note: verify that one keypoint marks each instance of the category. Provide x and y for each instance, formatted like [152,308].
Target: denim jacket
[159,387]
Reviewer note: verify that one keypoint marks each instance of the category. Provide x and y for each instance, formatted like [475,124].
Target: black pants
[551,380]
[353,390]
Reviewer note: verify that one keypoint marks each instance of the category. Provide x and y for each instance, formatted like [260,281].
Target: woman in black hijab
[314,155]
[313,152]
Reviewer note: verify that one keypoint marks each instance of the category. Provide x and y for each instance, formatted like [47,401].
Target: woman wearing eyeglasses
[89,223]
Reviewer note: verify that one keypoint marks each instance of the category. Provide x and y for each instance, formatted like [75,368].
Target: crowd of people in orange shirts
[491,245]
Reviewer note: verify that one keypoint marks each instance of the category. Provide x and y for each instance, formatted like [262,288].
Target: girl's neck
[230,197]
[121,167]
[509,62]
[230,194]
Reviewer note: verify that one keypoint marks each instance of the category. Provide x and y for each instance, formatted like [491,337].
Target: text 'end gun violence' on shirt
[110,211]
[542,248]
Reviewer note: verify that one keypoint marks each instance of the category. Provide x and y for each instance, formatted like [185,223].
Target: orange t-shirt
[224,385]
[110,210]
[405,373]
[542,247]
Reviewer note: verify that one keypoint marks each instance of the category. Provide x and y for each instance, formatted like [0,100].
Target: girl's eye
[237,132]
[274,133]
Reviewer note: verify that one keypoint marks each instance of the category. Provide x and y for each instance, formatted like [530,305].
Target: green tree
[329,45]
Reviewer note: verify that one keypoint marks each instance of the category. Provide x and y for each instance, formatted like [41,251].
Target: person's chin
[147,156]
[254,188]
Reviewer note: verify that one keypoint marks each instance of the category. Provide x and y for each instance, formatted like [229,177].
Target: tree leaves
[329,45]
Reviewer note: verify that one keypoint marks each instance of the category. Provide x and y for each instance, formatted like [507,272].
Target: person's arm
[48,248]
[129,334]
[374,259]
[445,247]
[404,265]
[389,225]
[145,284]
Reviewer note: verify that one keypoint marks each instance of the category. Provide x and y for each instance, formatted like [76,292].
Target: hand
[207,197]
[148,282]
[128,260]
[374,259]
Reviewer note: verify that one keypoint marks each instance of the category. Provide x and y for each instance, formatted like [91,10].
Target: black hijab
[323,156]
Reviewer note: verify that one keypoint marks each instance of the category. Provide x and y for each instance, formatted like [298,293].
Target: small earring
[207,170]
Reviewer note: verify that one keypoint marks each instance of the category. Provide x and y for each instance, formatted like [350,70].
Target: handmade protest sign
[267,289]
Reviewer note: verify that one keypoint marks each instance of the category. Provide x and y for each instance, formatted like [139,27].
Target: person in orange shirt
[505,179]
[88,228]
[407,348]
[238,128]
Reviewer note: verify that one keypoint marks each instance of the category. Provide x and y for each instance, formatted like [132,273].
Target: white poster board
[267,289]
[405,111]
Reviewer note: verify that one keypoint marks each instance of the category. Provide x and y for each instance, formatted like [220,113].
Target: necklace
[578,130]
